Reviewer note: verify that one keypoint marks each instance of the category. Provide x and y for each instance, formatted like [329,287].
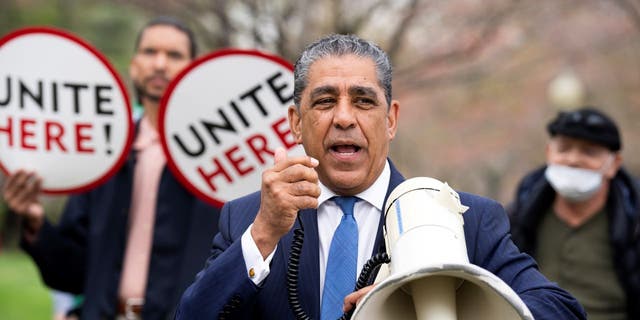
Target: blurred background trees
[472,76]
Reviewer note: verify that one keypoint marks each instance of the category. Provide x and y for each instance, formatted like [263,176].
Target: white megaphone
[430,276]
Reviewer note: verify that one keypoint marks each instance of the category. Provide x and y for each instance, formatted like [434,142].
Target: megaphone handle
[365,276]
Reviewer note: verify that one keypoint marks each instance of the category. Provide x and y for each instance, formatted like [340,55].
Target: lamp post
[566,91]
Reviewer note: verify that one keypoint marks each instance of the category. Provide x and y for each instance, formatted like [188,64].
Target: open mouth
[158,81]
[345,149]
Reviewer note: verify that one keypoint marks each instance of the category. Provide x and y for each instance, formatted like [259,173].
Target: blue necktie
[340,277]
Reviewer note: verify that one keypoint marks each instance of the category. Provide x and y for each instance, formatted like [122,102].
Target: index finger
[282,161]
[352,299]
[18,178]
[21,183]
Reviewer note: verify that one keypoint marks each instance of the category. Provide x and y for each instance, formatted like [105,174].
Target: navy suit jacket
[224,280]
[83,253]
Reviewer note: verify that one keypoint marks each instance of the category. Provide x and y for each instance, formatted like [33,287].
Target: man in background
[579,216]
[132,245]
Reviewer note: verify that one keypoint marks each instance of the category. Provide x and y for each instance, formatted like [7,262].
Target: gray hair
[340,45]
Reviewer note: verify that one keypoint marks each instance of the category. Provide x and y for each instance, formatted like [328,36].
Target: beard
[142,89]
[142,94]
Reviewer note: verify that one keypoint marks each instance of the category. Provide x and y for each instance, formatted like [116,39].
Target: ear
[392,118]
[133,69]
[547,151]
[295,123]
[615,166]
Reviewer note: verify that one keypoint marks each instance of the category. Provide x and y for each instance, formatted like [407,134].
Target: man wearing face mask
[579,216]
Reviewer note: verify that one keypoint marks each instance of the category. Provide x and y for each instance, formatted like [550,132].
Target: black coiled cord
[368,268]
[293,266]
[229,308]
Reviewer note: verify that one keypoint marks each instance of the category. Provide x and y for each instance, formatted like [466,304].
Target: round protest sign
[222,119]
[64,112]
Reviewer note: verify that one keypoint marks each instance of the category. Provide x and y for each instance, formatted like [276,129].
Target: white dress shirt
[366,212]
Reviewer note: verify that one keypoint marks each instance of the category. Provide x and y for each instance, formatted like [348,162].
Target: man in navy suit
[345,119]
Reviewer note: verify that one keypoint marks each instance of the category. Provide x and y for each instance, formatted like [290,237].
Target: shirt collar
[374,194]
[147,135]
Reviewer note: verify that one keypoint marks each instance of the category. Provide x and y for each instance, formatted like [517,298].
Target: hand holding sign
[291,185]
[21,192]
[64,112]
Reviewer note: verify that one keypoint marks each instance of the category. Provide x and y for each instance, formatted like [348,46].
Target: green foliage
[22,294]
[109,27]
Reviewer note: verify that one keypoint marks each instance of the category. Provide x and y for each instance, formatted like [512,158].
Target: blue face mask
[575,184]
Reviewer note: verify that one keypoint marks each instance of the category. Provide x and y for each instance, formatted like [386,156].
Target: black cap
[588,124]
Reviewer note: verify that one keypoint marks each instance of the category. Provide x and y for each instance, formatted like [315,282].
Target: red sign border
[165,99]
[77,40]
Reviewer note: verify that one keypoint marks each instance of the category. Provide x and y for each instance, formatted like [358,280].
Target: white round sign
[64,112]
[222,119]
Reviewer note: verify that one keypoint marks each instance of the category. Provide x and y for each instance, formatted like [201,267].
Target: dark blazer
[84,252]
[224,280]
